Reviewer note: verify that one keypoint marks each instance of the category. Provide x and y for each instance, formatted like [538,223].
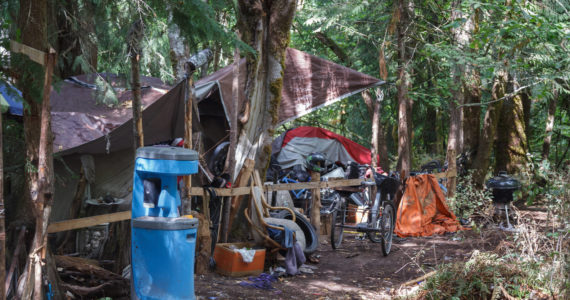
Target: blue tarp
[11,99]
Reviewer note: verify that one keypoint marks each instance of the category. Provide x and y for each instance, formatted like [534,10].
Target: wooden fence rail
[222,192]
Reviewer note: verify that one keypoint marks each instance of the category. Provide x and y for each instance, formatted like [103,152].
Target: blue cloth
[283,237]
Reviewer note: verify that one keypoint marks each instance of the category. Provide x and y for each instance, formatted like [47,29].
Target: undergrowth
[531,263]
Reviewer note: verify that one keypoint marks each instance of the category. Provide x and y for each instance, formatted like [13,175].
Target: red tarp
[296,144]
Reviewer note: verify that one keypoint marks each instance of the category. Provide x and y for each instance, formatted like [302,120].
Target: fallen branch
[85,266]
[113,288]
[421,278]
[505,293]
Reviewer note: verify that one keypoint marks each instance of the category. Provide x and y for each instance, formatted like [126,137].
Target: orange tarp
[422,210]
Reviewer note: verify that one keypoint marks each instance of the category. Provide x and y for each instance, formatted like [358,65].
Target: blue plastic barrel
[163,258]
[163,243]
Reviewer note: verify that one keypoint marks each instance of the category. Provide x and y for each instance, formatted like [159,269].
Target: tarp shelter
[11,99]
[102,140]
[292,147]
[422,210]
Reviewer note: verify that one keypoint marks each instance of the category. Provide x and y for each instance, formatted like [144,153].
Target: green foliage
[469,199]
[543,185]
[485,275]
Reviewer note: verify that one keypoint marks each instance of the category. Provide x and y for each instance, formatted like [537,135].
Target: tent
[293,146]
[101,139]
[422,211]
[11,99]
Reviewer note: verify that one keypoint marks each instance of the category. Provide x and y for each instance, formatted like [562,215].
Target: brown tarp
[78,119]
[422,210]
[309,83]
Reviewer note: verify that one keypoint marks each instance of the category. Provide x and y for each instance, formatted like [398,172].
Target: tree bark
[549,125]
[265,26]
[2,221]
[511,146]
[179,53]
[134,40]
[472,114]
[481,163]
[404,101]
[461,36]
[32,23]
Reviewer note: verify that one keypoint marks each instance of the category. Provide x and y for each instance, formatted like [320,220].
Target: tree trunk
[32,23]
[265,26]
[481,163]
[549,125]
[134,40]
[472,114]
[179,52]
[378,143]
[461,37]
[403,83]
[511,146]
[2,221]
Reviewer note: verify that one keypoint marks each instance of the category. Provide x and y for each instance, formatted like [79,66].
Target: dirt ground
[358,270]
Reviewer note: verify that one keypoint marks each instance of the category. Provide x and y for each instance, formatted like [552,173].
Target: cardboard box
[230,262]
[356,214]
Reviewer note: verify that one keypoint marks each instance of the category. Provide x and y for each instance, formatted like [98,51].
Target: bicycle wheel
[337,223]
[387,221]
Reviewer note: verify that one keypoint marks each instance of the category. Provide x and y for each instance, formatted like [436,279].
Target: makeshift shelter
[292,147]
[101,140]
[422,210]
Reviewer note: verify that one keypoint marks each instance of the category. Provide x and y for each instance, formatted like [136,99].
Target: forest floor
[359,271]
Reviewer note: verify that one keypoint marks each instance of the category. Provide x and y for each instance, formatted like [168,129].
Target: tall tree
[134,40]
[481,162]
[511,146]
[37,126]
[265,27]
[403,13]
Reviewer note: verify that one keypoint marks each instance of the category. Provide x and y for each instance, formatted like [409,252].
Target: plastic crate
[230,263]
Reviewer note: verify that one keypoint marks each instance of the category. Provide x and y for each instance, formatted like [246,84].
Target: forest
[474,88]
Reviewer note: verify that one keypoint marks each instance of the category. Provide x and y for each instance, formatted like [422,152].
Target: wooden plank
[222,192]
[314,185]
[34,54]
[450,173]
[88,222]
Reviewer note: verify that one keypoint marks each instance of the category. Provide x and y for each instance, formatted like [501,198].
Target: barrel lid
[167,153]
[163,223]
[503,181]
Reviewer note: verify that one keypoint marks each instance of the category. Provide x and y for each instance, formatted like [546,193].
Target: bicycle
[377,194]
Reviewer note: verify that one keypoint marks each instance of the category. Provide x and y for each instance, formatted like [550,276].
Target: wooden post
[188,135]
[135,36]
[2,219]
[315,213]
